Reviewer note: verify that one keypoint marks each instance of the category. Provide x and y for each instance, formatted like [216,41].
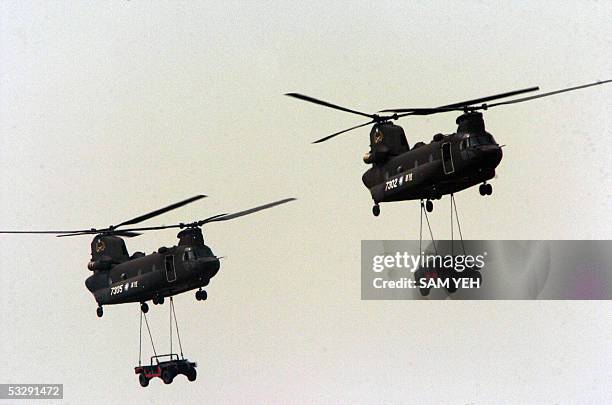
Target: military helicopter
[119,278]
[446,165]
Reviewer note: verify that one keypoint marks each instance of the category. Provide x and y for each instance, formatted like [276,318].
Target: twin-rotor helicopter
[119,278]
[446,165]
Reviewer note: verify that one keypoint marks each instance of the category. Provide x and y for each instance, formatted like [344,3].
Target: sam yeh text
[405,282]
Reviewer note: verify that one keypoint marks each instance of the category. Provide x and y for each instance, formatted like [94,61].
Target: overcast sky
[112,109]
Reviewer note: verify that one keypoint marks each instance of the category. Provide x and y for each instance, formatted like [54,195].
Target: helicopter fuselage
[448,164]
[165,273]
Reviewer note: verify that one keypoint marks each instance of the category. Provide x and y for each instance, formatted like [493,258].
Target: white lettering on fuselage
[398,181]
[118,289]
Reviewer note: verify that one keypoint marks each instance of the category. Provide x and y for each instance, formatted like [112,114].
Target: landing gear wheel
[143,380]
[201,295]
[144,307]
[485,189]
[167,376]
[429,206]
[99,312]
[192,374]
[376,210]
[160,300]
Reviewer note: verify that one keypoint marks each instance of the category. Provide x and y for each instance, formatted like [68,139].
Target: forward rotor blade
[160,211]
[123,233]
[227,217]
[48,232]
[326,104]
[181,225]
[126,234]
[113,230]
[550,93]
[343,131]
[79,233]
[153,228]
[421,111]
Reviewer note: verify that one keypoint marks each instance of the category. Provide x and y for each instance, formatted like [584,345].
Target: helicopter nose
[492,155]
[208,266]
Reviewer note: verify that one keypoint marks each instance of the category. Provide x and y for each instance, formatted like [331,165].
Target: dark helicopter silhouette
[446,165]
[119,278]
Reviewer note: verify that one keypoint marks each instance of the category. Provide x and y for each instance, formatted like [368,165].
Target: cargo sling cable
[140,338]
[172,316]
[171,365]
[453,208]
[427,276]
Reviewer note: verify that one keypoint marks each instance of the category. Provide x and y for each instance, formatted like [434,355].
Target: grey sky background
[112,109]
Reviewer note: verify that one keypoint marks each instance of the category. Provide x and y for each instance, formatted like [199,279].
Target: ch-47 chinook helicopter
[119,278]
[446,165]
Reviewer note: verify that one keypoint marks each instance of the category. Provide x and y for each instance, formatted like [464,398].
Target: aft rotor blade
[343,131]
[326,104]
[456,106]
[550,93]
[489,98]
[160,211]
[245,212]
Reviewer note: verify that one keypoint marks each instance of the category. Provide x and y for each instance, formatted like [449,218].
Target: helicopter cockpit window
[485,139]
[189,255]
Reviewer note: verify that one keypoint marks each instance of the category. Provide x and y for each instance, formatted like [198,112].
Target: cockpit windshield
[484,139]
[189,255]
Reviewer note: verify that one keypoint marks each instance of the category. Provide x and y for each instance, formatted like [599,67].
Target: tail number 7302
[391,184]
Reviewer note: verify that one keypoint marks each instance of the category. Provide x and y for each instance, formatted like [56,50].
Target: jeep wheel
[191,374]
[167,376]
